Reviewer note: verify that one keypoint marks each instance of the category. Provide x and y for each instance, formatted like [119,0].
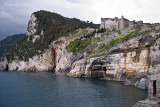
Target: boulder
[143,83]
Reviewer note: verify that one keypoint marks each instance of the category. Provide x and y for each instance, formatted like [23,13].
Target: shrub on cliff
[77,46]
[116,42]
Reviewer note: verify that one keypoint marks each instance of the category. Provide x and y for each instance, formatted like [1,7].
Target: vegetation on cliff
[82,44]
[89,43]
[53,26]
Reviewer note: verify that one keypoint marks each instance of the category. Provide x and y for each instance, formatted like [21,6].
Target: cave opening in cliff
[7,67]
[154,87]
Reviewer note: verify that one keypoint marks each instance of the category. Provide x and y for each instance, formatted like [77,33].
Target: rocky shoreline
[130,54]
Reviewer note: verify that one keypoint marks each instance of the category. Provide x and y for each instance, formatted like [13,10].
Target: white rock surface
[32,25]
[44,62]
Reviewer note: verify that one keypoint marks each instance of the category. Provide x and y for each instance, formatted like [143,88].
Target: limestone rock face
[36,37]
[64,60]
[130,62]
[44,62]
[76,65]
[155,57]
[85,67]
[32,25]
[131,58]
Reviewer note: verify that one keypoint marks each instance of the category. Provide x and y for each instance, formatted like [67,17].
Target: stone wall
[154,86]
[111,24]
[123,23]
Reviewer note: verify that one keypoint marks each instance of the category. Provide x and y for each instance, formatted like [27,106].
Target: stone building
[114,23]
[153,99]
[154,86]
[109,23]
[140,22]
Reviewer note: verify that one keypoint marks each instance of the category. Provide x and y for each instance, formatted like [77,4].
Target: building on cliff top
[115,23]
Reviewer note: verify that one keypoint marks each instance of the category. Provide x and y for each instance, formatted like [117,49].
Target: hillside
[43,28]
[63,45]
[9,42]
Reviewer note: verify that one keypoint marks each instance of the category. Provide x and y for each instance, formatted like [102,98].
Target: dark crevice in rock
[54,58]
[7,67]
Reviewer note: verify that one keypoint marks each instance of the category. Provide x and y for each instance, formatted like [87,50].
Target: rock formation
[129,58]
[129,54]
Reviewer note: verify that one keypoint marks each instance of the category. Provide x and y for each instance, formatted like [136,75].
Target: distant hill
[9,42]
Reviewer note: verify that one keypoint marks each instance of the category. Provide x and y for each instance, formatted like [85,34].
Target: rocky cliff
[71,47]
[131,57]
[36,52]
[76,48]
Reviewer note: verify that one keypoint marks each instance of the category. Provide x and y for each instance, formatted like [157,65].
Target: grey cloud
[13,18]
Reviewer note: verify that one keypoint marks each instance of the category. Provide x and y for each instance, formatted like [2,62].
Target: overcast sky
[15,14]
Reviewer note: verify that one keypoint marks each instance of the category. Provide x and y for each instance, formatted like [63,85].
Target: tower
[122,17]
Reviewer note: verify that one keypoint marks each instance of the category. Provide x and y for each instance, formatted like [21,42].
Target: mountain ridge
[9,42]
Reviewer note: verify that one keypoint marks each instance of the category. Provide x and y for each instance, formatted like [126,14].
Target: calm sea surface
[26,89]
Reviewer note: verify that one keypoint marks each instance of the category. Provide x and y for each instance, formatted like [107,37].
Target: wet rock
[143,83]
[128,82]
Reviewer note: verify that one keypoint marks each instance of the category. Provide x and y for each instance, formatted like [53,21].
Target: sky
[15,14]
